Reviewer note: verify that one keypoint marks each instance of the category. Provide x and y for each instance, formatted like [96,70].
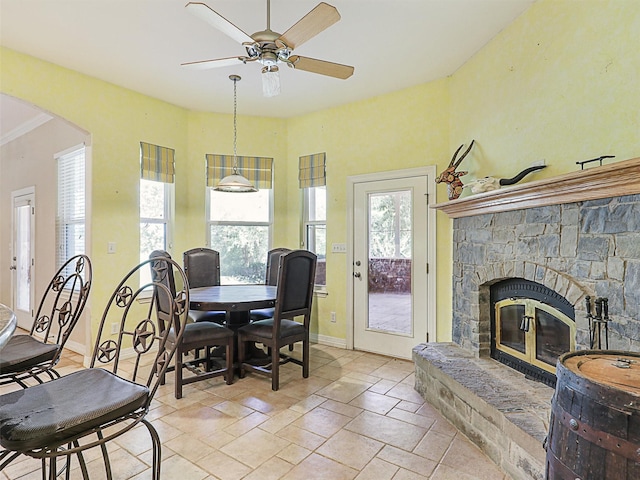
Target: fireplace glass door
[533,332]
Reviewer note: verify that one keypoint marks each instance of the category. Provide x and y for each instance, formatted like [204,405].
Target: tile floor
[356,417]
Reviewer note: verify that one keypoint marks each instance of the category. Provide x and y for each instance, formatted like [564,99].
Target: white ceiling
[140,44]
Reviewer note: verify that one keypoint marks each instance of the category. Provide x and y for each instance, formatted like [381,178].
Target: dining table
[236,301]
[8,324]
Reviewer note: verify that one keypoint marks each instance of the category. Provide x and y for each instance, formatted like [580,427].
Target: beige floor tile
[406,392]
[390,372]
[233,409]
[408,461]
[294,454]
[467,458]
[377,469]
[317,467]
[408,406]
[273,469]
[308,403]
[383,386]
[301,437]
[374,402]
[433,446]
[255,447]
[338,407]
[412,418]
[404,474]
[223,466]
[180,468]
[387,430]
[443,472]
[344,390]
[247,423]
[189,447]
[280,420]
[322,422]
[350,449]
[123,465]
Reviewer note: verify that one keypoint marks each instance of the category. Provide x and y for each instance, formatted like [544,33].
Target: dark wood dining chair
[271,278]
[293,300]
[198,336]
[35,356]
[68,415]
[202,267]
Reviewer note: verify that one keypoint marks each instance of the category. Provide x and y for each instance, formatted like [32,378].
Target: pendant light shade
[235,183]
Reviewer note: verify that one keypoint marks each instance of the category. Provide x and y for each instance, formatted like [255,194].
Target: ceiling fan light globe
[235,183]
[270,81]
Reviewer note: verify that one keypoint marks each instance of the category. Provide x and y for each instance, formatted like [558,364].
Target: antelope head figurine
[451,177]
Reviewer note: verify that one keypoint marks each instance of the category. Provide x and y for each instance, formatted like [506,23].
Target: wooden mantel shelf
[613,180]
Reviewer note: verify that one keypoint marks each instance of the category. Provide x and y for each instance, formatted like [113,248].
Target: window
[239,227]
[312,179]
[315,229]
[239,224]
[156,201]
[70,219]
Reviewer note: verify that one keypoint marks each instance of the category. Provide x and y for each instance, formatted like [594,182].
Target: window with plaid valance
[312,170]
[258,170]
[157,163]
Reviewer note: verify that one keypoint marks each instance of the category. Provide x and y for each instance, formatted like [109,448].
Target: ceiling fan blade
[322,67]
[314,22]
[213,18]
[216,63]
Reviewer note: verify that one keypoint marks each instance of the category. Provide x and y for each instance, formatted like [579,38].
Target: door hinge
[427,269]
[427,337]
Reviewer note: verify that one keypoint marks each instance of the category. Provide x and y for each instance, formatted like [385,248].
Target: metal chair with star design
[33,357]
[66,416]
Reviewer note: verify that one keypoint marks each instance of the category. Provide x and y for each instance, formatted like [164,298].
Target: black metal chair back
[90,407]
[35,355]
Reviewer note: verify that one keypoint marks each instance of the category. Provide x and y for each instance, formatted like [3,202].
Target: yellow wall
[559,84]
[405,129]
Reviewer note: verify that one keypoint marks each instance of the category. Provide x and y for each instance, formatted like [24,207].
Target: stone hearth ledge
[505,414]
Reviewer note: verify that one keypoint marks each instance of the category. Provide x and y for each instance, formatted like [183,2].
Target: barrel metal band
[614,444]
[557,469]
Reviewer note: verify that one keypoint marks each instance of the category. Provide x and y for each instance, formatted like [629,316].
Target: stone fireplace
[575,236]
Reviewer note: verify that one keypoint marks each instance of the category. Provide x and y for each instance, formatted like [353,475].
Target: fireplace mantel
[613,180]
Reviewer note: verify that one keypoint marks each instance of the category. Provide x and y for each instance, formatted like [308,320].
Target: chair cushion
[264,328]
[49,413]
[23,351]
[207,316]
[261,314]
[201,332]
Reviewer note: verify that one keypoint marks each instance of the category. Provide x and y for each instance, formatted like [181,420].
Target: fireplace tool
[598,323]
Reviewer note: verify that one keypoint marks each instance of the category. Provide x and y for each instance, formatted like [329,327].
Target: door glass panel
[510,317]
[390,262]
[23,257]
[552,337]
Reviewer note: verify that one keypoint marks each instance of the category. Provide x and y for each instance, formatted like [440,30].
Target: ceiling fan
[270,48]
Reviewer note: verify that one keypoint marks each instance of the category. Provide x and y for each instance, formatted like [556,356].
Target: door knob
[356,274]
[357,263]
[12,267]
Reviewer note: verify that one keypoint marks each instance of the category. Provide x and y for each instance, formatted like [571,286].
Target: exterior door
[22,261]
[390,245]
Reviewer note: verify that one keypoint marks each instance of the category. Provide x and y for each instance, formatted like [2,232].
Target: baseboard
[327,340]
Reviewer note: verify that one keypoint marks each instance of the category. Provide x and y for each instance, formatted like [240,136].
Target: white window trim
[318,290]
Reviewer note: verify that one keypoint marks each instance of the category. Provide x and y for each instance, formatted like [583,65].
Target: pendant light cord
[235,126]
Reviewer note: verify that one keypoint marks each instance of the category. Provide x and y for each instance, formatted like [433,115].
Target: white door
[390,264]
[22,251]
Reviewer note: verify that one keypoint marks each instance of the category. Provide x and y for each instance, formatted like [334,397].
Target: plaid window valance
[312,171]
[258,170]
[157,163]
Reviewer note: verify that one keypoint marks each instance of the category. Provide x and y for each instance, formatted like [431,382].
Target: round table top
[232,298]
[8,323]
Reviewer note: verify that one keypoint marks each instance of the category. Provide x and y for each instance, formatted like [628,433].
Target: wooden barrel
[594,430]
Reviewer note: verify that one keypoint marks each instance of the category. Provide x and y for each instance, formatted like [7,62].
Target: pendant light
[235,182]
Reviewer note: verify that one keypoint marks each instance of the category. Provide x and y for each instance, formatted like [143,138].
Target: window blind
[157,163]
[312,170]
[258,170]
[70,218]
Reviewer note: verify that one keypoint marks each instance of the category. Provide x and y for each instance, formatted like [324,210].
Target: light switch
[111,247]
[339,247]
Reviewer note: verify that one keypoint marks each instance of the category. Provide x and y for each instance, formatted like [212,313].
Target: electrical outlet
[114,328]
[333,317]
[111,247]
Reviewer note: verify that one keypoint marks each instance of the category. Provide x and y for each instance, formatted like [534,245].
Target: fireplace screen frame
[530,317]
[519,289]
